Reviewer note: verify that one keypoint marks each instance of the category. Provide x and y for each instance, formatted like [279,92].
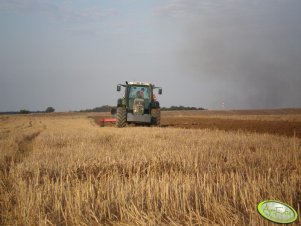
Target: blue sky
[71,54]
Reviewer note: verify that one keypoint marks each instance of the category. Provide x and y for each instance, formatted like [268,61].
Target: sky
[71,54]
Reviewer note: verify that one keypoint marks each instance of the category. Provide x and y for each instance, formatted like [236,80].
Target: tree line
[107,108]
[25,111]
[179,108]
[104,108]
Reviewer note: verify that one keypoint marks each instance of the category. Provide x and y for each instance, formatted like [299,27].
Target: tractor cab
[139,98]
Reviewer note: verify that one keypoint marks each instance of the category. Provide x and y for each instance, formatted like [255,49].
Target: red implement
[109,120]
[103,120]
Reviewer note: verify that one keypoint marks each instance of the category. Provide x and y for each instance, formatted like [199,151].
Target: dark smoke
[252,51]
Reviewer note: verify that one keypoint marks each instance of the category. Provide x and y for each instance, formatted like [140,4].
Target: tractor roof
[139,83]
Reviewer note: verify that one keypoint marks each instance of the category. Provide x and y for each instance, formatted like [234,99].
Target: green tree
[24,111]
[49,109]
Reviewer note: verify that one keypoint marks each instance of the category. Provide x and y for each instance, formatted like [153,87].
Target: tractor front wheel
[121,117]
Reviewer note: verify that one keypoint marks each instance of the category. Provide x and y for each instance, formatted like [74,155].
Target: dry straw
[64,170]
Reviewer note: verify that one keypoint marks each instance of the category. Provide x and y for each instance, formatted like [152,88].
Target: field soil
[259,126]
[286,122]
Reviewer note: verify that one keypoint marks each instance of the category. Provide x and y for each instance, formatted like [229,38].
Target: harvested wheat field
[63,169]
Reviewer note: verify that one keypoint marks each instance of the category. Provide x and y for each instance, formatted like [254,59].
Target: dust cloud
[249,51]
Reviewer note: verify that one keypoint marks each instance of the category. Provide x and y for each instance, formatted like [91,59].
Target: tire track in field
[8,197]
[24,147]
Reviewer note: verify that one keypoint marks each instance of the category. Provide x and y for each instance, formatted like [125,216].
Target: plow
[109,121]
[104,121]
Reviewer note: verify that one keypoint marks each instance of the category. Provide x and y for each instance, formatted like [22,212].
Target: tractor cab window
[139,92]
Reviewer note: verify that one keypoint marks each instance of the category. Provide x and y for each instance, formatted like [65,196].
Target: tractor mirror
[118,88]
[160,91]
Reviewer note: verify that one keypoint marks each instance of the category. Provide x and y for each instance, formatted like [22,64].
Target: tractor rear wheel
[156,116]
[121,117]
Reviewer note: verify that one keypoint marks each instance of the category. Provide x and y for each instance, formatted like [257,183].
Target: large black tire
[121,117]
[156,116]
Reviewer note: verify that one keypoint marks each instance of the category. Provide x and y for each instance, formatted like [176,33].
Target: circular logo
[277,211]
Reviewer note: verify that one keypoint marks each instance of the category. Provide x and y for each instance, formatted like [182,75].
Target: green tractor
[138,104]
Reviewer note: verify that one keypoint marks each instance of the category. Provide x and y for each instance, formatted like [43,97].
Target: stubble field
[199,168]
